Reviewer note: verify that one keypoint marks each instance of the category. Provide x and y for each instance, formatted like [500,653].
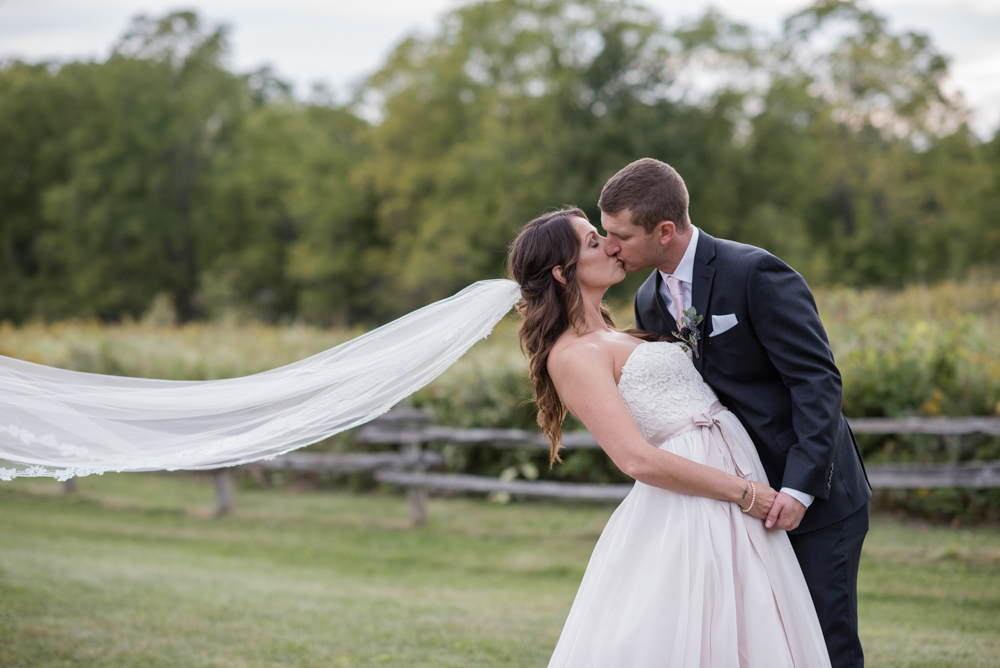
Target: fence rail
[925,476]
[521,439]
[494,438]
[881,476]
[458,482]
[409,430]
[351,462]
[940,426]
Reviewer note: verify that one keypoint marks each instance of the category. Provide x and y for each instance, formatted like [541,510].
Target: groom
[765,352]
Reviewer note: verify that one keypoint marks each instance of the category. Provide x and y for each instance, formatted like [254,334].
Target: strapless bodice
[660,385]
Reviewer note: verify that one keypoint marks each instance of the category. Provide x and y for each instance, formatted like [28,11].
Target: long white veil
[62,424]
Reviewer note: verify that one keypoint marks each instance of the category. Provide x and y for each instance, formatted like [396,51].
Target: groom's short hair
[651,190]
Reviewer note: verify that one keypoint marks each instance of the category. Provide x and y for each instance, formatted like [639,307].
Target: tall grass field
[926,351]
[922,350]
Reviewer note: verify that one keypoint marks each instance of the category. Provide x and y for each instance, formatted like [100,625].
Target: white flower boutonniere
[689,334]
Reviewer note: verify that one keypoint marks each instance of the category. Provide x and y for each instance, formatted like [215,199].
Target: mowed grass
[133,570]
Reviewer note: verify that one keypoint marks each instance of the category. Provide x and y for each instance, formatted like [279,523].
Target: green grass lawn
[132,570]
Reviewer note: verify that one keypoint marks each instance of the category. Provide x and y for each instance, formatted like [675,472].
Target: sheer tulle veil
[62,424]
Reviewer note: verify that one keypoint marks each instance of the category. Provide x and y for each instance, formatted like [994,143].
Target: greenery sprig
[689,333]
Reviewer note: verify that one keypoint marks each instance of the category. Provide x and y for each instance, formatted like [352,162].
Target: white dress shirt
[684,273]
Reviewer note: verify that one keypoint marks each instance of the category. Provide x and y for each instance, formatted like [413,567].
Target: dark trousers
[829,558]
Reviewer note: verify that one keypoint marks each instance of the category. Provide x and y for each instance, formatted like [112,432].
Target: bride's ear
[557,273]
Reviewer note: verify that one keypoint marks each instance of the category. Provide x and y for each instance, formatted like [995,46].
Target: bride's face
[595,268]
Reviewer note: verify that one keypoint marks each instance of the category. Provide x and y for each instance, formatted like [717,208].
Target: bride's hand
[762,502]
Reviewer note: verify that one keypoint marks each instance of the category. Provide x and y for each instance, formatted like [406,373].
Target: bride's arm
[584,378]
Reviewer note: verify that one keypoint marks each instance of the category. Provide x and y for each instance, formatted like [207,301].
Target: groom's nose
[611,246]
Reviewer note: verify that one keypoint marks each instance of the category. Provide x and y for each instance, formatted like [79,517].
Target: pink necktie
[675,291]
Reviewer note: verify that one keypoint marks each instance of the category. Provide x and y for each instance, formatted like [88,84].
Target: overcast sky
[336,42]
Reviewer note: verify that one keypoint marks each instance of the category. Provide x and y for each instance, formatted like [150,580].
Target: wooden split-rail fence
[410,431]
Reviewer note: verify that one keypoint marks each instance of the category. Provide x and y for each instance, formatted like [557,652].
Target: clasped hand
[762,500]
[778,510]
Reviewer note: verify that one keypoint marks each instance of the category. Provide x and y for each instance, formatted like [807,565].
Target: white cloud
[986,7]
[979,81]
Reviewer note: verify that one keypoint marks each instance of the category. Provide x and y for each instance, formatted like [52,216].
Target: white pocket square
[721,323]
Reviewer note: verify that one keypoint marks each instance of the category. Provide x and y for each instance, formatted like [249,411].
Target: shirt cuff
[805,499]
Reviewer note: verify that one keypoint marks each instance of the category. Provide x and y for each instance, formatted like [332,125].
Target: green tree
[514,108]
[160,171]
[36,113]
[856,166]
[291,234]
[121,227]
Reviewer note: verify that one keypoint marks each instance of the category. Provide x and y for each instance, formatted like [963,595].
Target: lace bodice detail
[660,385]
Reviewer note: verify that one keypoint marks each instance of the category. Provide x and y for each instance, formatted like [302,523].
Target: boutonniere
[689,333]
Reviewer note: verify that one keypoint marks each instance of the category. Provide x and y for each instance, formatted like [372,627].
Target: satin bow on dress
[732,460]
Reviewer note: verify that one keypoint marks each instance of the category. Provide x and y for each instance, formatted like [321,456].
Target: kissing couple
[740,542]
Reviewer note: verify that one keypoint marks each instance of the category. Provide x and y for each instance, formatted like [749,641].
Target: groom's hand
[786,513]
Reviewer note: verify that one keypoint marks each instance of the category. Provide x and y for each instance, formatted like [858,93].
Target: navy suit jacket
[774,370]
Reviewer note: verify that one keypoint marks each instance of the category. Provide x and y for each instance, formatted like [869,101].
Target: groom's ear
[557,273]
[665,232]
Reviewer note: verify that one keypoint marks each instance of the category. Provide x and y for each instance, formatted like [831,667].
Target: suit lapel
[701,288]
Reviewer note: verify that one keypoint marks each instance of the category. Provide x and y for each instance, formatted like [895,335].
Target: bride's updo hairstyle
[548,307]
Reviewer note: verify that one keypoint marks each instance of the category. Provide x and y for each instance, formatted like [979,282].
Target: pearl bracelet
[753,498]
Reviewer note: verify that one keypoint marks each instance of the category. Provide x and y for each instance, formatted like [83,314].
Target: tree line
[161,172]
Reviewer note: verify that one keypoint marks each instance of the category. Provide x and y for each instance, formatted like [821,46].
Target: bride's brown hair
[549,307]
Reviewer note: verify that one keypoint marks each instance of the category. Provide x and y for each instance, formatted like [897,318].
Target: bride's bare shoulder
[591,353]
[571,350]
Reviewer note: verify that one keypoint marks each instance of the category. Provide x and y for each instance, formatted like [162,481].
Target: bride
[684,573]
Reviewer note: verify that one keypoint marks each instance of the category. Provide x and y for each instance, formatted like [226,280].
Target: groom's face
[630,243]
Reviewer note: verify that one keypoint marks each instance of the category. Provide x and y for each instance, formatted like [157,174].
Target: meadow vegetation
[133,571]
[919,351]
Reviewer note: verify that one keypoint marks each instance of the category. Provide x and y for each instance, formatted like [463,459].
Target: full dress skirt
[686,581]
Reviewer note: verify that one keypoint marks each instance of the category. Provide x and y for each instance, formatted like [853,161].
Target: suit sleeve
[784,316]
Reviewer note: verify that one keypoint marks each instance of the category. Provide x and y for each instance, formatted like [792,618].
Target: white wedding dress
[684,581]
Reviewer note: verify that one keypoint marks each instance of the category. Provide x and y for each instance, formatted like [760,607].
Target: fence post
[69,486]
[406,417]
[223,492]
[416,496]
[953,446]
